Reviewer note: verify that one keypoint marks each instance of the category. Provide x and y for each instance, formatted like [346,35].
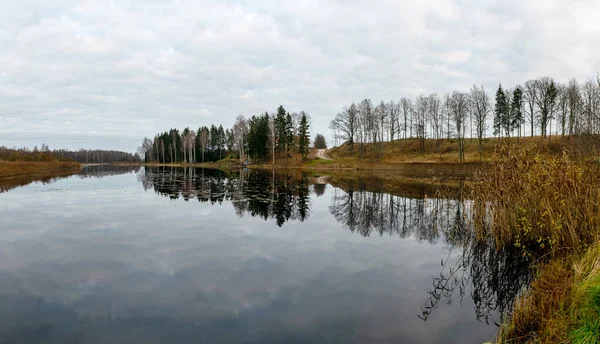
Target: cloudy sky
[104,74]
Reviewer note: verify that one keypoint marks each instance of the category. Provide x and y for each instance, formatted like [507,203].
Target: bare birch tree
[480,109]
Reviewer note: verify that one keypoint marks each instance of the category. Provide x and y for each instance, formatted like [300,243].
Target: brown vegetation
[23,168]
[548,207]
[436,151]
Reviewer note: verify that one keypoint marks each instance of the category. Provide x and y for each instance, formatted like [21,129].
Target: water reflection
[281,197]
[492,277]
[101,171]
[105,260]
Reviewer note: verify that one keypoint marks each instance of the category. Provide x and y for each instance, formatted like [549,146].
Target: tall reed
[544,205]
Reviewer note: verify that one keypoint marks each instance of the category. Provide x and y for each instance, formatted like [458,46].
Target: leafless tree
[590,106]
[347,122]
[435,118]
[480,109]
[406,108]
[530,95]
[240,131]
[545,101]
[574,104]
[563,109]
[367,121]
[419,114]
[146,149]
[273,135]
[459,109]
[203,141]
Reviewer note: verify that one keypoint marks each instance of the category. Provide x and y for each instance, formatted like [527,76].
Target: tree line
[250,139]
[97,156]
[82,156]
[573,108]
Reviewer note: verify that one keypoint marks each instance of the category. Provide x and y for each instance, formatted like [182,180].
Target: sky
[104,74]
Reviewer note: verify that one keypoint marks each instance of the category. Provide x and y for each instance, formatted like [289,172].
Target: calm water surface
[163,255]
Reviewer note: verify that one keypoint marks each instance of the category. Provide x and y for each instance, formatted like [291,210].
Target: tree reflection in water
[492,277]
[281,197]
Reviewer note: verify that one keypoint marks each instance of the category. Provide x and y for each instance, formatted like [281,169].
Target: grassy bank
[549,209]
[440,151]
[23,168]
[18,173]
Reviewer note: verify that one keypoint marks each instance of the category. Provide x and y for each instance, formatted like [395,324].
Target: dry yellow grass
[23,168]
[445,151]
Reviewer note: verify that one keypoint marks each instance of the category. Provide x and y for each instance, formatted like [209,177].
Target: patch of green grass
[588,327]
[318,162]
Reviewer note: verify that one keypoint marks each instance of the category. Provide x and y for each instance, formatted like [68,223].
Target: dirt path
[321,154]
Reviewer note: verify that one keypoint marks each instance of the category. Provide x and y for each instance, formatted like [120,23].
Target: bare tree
[406,107]
[480,109]
[146,149]
[459,108]
[574,104]
[273,135]
[240,131]
[435,118]
[347,122]
[367,121]
[563,109]
[530,94]
[590,105]
[420,113]
[545,101]
[203,141]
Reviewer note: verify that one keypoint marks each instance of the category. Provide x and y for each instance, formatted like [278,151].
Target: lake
[174,255]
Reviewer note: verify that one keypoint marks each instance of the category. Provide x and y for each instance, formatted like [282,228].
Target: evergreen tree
[289,133]
[501,111]
[303,136]
[258,137]
[320,142]
[220,141]
[516,107]
[280,124]
[214,142]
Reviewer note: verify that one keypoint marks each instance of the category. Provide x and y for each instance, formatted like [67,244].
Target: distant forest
[82,156]
[256,138]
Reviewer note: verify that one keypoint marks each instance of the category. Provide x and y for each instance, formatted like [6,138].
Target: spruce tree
[501,111]
[280,123]
[516,109]
[304,136]
[289,133]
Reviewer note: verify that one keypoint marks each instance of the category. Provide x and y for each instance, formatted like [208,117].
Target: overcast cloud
[104,74]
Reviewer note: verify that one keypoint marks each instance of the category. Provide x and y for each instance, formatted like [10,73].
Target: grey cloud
[105,74]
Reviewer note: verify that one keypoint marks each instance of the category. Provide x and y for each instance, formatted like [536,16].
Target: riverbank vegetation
[548,208]
[22,166]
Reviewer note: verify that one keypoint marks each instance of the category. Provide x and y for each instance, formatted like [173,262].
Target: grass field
[22,168]
[18,173]
[439,151]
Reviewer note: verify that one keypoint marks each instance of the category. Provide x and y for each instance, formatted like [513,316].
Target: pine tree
[304,136]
